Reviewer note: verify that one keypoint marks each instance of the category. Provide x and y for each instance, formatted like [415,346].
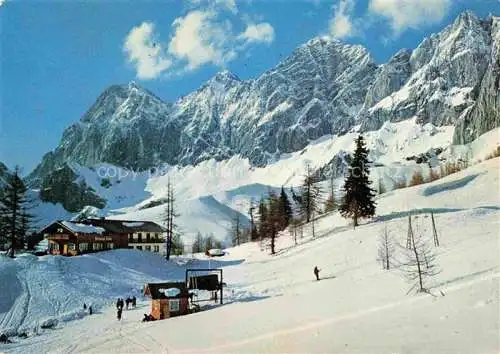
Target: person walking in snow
[134,301]
[316,272]
[4,339]
[119,314]
[90,310]
[84,306]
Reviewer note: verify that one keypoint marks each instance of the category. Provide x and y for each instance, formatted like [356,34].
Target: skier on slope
[316,272]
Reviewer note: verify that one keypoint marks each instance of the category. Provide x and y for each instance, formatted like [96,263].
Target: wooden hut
[168,299]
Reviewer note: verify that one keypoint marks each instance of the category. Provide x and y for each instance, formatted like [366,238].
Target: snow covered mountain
[324,87]
[440,81]
[231,140]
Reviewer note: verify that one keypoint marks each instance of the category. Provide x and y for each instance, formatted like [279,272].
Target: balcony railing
[145,240]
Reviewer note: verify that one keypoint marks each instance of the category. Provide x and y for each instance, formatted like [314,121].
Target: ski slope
[274,305]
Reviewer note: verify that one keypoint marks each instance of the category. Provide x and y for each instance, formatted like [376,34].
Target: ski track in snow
[331,320]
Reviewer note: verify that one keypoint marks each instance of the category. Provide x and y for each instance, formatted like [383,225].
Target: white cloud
[199,39]
[145,53]
[261,32]
[217,4]
[405,14]
[342,24]
[229,4]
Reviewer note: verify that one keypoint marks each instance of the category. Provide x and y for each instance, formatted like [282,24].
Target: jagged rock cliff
[323,87]
[484,114]
[63,186]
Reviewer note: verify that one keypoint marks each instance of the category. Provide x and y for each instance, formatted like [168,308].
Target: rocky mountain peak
[324,87]
[225,76]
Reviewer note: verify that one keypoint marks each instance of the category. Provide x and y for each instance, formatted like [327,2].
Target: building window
[148,248]
[157,249]
[139,248]
[60,231]
[174,305]
[148,236]
[71,246]
[157,235]
[139,237]
[83,247]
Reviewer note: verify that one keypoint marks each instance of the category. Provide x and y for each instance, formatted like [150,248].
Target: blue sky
[58,56]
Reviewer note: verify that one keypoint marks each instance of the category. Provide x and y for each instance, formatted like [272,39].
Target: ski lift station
[171,299]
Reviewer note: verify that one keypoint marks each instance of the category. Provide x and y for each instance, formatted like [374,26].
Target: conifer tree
[331,201]
[209,242]
[357,201]
[274,219]
[285,209]
[177,244]
[14,218]
[253,229]
[310,196]
[197,246]
[236,241]
[262,210]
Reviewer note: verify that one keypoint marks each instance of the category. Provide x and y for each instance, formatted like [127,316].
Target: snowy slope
[234,182]
[275,306]
[40,290]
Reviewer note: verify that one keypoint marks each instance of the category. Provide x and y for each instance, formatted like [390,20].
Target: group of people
[130,301]
[89,307]
[148,318]
[4,339]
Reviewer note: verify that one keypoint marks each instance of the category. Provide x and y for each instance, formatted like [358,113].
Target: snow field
[274,305]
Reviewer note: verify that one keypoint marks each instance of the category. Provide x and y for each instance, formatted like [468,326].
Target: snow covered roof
[125,226]
[166,290]
[170,292]
[216,252]
[82,228]
[133,224]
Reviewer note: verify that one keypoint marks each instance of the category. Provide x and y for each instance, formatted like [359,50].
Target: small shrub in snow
[420,262]
[417,179]
[400,184]
[385,250]
[433,175]
[495,153]
[450,168]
